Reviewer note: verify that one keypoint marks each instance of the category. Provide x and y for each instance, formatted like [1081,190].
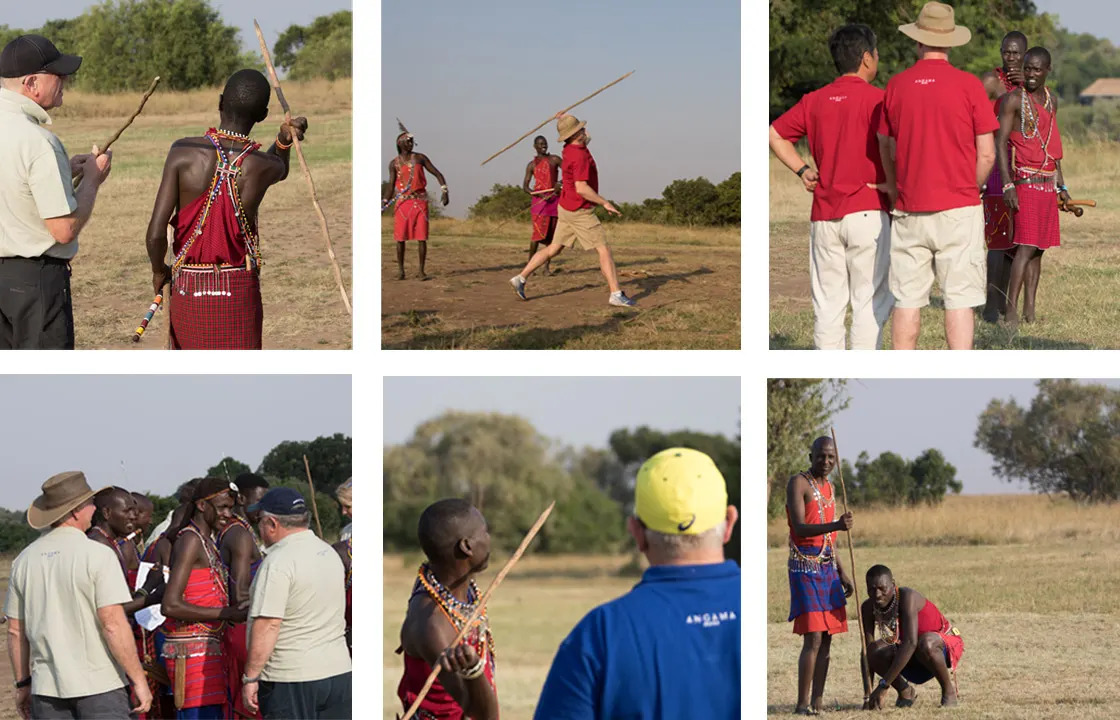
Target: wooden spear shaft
[303,166]
[314,507]
[538,127]
[108,143]
[864,668]
[481,606]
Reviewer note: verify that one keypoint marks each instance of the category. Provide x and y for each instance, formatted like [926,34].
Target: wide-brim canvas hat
[62,494]
[936,27]
[567,126]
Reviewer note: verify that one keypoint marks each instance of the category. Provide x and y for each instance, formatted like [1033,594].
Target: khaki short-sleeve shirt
[35,181]
[57,585]
[302,582]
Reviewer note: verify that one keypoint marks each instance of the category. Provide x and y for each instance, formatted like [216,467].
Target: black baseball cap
[30,54]
[280,501]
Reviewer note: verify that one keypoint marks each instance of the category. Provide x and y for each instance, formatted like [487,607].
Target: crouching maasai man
[196,605]
[818,583]
[211,191]
[456,541]
[918,642]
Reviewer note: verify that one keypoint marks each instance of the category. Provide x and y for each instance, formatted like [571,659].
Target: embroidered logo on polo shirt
[924,81]
[838,98]
[714,619]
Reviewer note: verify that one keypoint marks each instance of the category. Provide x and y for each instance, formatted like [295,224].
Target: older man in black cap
[70,644]
[42,214]
[298,664]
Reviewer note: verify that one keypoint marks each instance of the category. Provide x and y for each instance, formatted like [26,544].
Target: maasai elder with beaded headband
[408,192]
[454,537]
[210,194]
[917,643]
[1028,125]
[671,647]
[818,584]
[197,605]
[298,666]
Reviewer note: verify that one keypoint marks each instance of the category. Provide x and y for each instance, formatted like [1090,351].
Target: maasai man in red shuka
[196,603]
[242,556]
[454,537]
[915,634]
[544,170]
[214,185]
[1029,125]
[997,218]
[818,583]
[409,190]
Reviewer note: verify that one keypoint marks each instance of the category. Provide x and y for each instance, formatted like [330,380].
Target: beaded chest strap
[812,563]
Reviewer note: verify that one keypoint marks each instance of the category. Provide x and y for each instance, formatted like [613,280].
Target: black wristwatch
[23,683]
[802,170]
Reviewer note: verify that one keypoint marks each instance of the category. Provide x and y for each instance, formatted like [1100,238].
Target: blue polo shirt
[670,648]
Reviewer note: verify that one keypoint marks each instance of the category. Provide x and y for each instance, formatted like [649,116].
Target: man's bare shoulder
[796,481]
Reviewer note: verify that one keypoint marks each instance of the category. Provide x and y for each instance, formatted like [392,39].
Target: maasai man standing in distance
[144,509]
[456,541]
[345,549]
[1028,125]
[918,643]
[211,192]
[997,219]
[818,583]
[241,554]
[545,170]
[408,190]
[196,603]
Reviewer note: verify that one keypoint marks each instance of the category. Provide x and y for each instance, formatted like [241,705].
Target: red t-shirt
[934,112]
[577,164]
[835,118]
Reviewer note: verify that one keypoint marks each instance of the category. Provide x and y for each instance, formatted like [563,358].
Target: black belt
[41,260]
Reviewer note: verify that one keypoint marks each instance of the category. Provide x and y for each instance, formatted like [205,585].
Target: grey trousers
[112,705]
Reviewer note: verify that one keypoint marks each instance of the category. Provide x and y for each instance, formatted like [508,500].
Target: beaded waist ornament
[800,561]
[197,639]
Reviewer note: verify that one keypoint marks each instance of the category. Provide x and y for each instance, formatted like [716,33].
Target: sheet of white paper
[150,617]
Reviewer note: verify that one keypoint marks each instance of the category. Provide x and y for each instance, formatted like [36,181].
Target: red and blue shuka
[817,602]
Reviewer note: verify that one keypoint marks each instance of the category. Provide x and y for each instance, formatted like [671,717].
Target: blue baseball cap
[280,501]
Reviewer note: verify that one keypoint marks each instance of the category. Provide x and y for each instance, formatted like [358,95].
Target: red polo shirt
[577,164]
[934,112]
[840,119]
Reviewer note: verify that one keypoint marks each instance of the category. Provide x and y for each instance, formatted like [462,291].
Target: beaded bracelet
[1008,186]
[280,145]
[1063,188]
[473,672]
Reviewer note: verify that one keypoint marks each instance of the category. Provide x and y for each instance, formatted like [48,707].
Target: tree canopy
[321,49]
[892,480]
[797,412]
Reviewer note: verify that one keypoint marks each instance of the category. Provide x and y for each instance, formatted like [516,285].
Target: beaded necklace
[408,185]
[116,548]
[887,620]
[458,612]
[219,576]
[824,556]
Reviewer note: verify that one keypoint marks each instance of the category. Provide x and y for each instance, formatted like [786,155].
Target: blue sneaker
[518,286]
[621,300]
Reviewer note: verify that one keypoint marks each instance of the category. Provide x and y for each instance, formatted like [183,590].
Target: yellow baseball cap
[680,491]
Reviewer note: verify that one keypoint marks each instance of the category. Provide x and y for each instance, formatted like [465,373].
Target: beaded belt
[420,195]
[215,267]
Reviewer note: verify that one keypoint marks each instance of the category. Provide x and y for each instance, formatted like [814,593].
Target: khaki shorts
[579,226]
[948,244]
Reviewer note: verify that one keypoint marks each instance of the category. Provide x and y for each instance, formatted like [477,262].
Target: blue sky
[166,429]
[469,79]
[1085,16]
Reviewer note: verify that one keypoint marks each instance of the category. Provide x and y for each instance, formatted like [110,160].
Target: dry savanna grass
[1079,279]
[112,283]
[1031,586]
[535,607]
[686,282]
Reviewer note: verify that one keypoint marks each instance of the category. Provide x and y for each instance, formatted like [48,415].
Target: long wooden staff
[108,143]
[481,606]
[538,127]
[864,668]
[303,166]
[314,507]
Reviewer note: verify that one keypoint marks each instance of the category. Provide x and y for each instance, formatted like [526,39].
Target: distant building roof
[1103,87]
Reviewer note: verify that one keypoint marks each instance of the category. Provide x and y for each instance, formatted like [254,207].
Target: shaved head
[444,523]
[143,500]
[821,442]
[1015,35]
[878,571]
[246,95]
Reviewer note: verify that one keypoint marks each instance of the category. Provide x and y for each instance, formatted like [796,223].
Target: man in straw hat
[683,615]
[42,214]
[70,644]
[940,120]
[408,189]
[849,231]
[576,222]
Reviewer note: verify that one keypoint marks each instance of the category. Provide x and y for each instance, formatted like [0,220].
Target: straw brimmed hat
[567,126]
[62,494]
[936,27]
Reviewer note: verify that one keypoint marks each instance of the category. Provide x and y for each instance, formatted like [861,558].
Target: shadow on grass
[785,342]
[518,339]
[649,285]
[787,708]
[558,266]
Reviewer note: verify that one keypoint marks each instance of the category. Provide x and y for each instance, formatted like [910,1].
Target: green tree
[727,208]
[1067,441]
[691,201]
[892,480]
[502,202]
[328,457]
[228,467]
[330,515]
[797,412]
[322,49]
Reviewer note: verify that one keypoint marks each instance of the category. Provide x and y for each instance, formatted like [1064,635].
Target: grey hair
[12,84]
[299,520]
[678,545]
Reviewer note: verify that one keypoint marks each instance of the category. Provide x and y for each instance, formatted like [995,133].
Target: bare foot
[423,276]
[801,710]
[949,700]
[1028,315]
[1012,318]
[401,276]
[906,697]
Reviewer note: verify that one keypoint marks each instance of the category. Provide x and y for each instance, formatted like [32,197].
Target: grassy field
[686,282]
[112,284]
[1029,583]
[536,606]
[1079,279]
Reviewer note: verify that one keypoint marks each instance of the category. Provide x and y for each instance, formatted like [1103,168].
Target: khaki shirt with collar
[57,585]
[35,181]
[302,582]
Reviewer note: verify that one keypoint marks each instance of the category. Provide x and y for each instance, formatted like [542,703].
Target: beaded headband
[232,487]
